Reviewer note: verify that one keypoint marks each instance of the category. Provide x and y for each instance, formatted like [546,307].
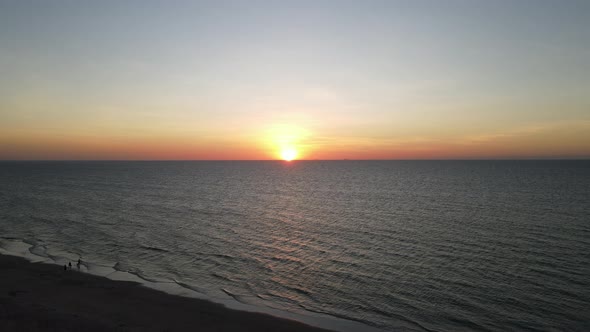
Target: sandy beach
[44,297]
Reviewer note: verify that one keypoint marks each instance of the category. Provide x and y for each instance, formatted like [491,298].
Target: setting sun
[286,141]
[289,154]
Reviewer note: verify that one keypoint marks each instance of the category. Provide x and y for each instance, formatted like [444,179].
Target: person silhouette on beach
[65,267]
[70,264]
[79,263]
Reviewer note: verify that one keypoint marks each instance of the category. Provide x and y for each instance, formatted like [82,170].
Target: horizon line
[297,160]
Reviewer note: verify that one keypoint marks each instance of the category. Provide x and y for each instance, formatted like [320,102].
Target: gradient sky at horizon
[334,79]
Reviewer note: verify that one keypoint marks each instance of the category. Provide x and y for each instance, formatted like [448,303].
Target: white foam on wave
[14,247]
[39,254]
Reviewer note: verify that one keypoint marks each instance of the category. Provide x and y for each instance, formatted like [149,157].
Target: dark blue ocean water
[399,245]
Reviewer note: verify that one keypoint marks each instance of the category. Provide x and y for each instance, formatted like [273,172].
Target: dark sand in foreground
[36,296]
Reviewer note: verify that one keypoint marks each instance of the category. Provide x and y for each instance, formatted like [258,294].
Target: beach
[44,297]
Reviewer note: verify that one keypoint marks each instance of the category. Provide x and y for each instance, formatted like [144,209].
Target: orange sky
[556,141]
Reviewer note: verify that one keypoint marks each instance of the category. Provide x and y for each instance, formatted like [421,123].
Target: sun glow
[288,154]
[286,142]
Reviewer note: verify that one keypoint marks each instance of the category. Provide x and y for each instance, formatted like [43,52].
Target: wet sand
[44,297]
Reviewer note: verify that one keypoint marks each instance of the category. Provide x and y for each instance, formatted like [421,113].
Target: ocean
[365,245]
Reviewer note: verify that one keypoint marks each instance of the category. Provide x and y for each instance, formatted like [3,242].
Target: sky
[252,80]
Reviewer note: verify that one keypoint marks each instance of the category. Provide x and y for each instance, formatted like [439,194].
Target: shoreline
[37,296]
[33,253]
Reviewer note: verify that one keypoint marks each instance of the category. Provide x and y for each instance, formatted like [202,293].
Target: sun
[286,142]
[288,154]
